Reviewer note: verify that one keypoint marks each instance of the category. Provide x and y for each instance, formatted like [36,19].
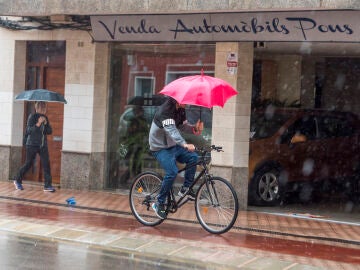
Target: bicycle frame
[174,204]
[216,204]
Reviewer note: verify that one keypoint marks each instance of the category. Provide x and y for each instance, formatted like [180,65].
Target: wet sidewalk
[257,241]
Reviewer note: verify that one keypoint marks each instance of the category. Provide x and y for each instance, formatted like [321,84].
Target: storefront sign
[319,25]
[232,63]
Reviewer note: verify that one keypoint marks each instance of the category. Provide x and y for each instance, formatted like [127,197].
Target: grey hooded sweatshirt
[166,126]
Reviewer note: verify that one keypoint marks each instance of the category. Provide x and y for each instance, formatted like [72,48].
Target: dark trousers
[167,159]
[31,152]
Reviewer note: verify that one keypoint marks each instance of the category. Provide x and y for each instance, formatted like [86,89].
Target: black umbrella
[41,95]
[154,100]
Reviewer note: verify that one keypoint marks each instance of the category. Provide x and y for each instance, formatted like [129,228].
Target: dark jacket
[166,126]
[36,136]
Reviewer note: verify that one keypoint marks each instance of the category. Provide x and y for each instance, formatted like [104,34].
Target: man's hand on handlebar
[209,148]
[190,147]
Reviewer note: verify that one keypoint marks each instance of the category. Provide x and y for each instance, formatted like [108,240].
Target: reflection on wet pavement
[18,252]
[103,220]
[71,224]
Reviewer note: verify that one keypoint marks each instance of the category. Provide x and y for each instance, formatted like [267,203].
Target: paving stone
[4,221]
[304,267]
[129,243]
[161,247]
[229,258]
[98,238]
[68,234]
[267,264]
[16,226]
[42,230]
[196,253]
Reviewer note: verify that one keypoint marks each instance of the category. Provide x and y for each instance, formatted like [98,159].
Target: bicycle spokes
[216,205]
[143,194]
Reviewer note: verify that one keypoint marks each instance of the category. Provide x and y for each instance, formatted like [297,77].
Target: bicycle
[216,203]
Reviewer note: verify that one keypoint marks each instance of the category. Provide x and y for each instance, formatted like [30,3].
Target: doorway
[46,69]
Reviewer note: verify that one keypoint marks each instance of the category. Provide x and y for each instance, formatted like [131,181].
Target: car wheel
[265,187]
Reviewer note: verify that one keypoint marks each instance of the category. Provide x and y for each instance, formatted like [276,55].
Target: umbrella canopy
[154,100]
[41,95]
[200,90]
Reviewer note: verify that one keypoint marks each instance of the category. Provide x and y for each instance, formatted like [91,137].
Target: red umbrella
[200,90]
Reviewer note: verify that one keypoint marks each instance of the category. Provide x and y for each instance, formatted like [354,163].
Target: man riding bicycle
[168,146]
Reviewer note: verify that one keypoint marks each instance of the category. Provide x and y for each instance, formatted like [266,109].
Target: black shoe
[49,189]
[18,185]
[189,193]
[159,210]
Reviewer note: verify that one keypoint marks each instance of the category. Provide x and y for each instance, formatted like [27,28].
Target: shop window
[138,73]
[318,89]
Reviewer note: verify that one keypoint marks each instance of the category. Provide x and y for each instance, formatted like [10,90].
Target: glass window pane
[138,73]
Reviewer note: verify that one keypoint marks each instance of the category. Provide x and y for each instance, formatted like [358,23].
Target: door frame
[40,55]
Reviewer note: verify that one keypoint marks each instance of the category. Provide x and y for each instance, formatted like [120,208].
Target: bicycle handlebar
[209,149]
[217,148]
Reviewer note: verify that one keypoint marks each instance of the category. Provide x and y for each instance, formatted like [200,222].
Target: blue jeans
[167,159]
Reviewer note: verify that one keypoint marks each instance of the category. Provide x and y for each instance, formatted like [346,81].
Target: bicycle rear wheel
[143,193]
[216,205]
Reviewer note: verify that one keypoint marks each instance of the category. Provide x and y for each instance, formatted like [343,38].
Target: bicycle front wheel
[216,205]
[143,193]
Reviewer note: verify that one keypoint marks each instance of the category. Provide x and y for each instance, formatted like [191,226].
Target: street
[99,231]
[19,252]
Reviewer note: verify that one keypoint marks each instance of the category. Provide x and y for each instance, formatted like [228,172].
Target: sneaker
[190,193]
[159,210]
[18,185]
[49,189]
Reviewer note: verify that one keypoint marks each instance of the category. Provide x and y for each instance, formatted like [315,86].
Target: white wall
[78,118]
[12,82]
[86,93]
[7,51]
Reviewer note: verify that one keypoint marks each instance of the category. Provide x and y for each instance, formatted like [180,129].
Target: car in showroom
[306,152]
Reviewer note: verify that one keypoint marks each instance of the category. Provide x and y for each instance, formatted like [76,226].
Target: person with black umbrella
[35,139]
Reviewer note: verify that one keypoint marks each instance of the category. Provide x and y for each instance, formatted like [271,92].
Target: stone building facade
[87,80]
